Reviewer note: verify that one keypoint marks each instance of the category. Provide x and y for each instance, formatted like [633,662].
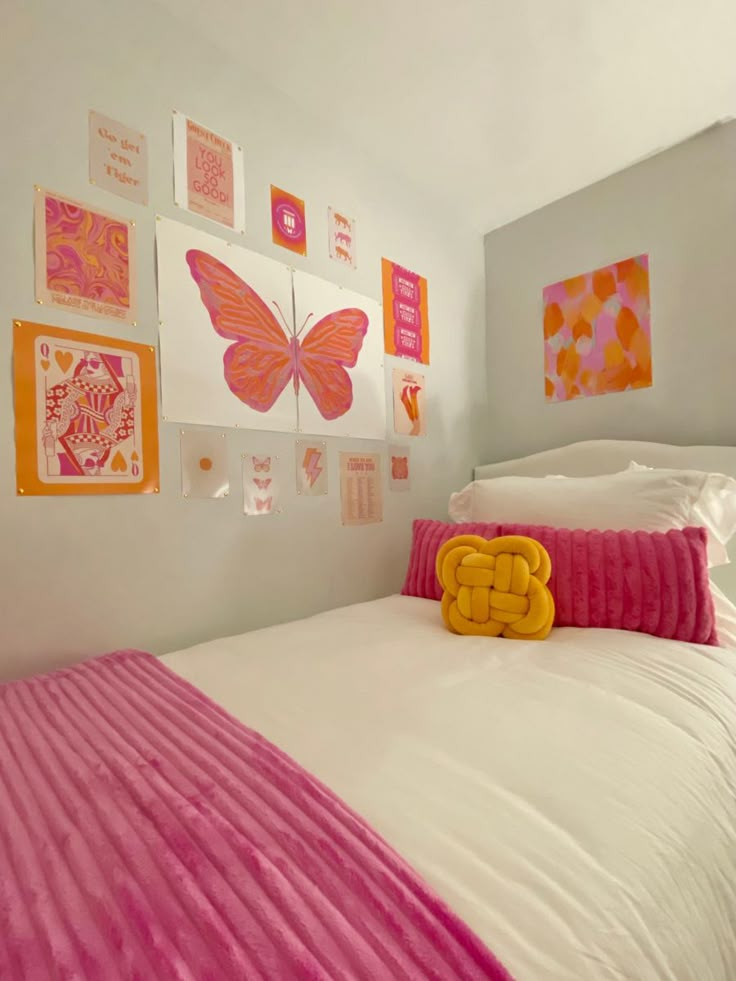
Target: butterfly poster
[85,258]
[86,419]
[311,468]
[248,342]
[262,484]
[398,468]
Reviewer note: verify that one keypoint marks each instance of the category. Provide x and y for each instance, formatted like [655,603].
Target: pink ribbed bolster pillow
[652,582]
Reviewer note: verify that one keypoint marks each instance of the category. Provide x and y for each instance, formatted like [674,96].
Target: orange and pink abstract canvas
[597,332]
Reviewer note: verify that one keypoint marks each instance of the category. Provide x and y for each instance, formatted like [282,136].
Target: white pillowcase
[725,617]
[634,500]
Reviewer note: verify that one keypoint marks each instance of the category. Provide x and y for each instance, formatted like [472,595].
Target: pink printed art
[597,332]
[85,259]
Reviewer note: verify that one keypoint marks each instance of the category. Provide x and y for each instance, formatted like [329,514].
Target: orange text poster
[361,488]
[405,313]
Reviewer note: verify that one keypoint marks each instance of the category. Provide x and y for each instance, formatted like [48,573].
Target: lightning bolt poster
[248,342]
[311,468]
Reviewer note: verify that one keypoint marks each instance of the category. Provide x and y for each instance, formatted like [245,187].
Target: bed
[572,802]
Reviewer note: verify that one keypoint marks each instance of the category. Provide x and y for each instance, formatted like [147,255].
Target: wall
[83,575]
[679,206]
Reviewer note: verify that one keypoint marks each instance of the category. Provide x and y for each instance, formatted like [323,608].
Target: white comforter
[573,800]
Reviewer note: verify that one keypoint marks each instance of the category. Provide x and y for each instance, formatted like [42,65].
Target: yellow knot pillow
[496,587]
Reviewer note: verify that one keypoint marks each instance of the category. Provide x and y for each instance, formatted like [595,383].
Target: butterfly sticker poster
[288,221]
[410,414]
[361,488]
[398,468]
[341,237]
[86,418]
[311,468]
[405,313]
[118,158]
[85,258]
[262,484]
[247,342]
[204,469]
[209,175]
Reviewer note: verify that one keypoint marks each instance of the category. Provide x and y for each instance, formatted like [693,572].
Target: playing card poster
[361,488]
[405,312]
[262,484]
[209,178]
[398,468]
[86,418]
[341,238]
[410,414]
[311,468]
[204,467]
[247,342]
[118,158]
[85,258]
[288,221]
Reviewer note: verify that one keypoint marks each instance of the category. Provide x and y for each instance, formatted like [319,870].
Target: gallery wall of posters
[209,177]
[288,221]
[85,258]
[410,413]
[341,242]
[597,332]
[361,488]
[118,158]
[405,312]
[86,418]
[247,342]
[262,484]
[204,470]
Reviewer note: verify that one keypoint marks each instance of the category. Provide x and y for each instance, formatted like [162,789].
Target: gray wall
[680,207]
[80,575]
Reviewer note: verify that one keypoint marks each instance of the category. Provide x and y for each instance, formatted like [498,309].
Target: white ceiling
[496,106]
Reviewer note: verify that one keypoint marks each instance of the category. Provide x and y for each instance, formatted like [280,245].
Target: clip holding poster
[209,174]
[86,415]
[405,313]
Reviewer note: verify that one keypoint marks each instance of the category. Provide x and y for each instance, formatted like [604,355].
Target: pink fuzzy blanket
[145,834]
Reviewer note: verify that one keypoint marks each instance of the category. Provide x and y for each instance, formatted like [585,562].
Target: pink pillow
[652,582]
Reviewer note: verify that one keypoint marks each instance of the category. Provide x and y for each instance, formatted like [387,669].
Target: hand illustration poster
[86,419]
[204,469]
[597,332]
[361,488]
[398,464]
[262,484]
[405,313]
[118,158]
[209,176]
[311,468]
[247,342]
[410,416]
[341,238]
[288,221]
[85,259]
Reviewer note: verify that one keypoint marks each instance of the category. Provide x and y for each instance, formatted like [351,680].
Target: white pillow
[725,617]
[634,500]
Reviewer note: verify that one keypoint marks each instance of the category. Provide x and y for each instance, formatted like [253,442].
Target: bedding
[574,802]
[635,500]
[145,834]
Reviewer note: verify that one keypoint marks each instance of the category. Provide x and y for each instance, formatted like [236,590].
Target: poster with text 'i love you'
[208,173]
[405,313]
[361,488]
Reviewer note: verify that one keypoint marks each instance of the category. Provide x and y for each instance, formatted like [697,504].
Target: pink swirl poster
[85,259]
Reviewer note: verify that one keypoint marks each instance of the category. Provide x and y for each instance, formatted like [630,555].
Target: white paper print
[246,341]
[341,232]
[262,484]
[399,474]
[311,468]
[204,468]
[361,488]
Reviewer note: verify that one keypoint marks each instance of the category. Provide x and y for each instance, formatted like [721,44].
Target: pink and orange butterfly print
[262,464]
[264,356]
[263,504]
[262,484]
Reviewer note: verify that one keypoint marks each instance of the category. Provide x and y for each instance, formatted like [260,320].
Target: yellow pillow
[496,587]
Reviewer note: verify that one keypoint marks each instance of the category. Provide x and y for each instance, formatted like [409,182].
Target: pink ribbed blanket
[146,834]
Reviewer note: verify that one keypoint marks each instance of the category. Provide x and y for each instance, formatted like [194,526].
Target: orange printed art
[85,259]
[597,332]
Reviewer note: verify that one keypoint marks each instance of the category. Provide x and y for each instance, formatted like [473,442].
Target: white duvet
[573,800]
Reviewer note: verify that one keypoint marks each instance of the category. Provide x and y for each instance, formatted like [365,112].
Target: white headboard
[610,455]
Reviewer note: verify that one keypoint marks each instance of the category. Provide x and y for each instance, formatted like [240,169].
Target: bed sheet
[573,800]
